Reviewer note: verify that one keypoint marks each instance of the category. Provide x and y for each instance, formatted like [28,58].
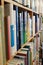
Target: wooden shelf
[17,4]
[21,6]
[35,12]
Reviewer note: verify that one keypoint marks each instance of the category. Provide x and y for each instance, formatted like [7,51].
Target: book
[7,36]
[21,27]
[31,48]
[23,53]
[28,3]
[26,48]
[28,31]
[17,60]
[25,26]
[9,7]
[17,29]
[26,21]
[30,27]
[36,24]
[33,5]
[2,38]
[14,18]
[33,25]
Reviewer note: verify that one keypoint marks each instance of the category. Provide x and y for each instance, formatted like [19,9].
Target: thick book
[7,36]
[2,38]
[9,7]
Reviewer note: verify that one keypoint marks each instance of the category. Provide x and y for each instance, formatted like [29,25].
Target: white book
[14,19]
[33,4]
[31,46]
[28,3]
[9,12]
[33,25]
[38,42]
[25,2]
[38,24]
[20,1]
[12,23]
[30,28]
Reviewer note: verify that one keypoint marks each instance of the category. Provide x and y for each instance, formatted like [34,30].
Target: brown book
[7,36]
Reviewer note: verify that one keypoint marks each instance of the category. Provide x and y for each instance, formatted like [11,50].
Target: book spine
[12,30]
[25,15]
[21,27]
[29,3]
[14,18]
[7,36]
[36,24]
[17,29]
[33,25]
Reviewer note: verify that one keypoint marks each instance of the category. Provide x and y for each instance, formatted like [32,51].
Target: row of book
[33,4]
[15,28]
[19,26]
[27,55]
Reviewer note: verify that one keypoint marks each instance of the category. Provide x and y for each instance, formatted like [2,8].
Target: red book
[7,36]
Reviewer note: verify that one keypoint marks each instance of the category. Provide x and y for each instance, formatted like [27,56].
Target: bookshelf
[21,8]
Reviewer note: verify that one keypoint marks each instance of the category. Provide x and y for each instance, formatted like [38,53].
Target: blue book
[23,2]
[17,29]
[28,55]
[21,27]
[17,33]
[12,35]
[36,24]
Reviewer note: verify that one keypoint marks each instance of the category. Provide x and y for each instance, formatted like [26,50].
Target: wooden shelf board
[35,12]
[21,6]
[17,4]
